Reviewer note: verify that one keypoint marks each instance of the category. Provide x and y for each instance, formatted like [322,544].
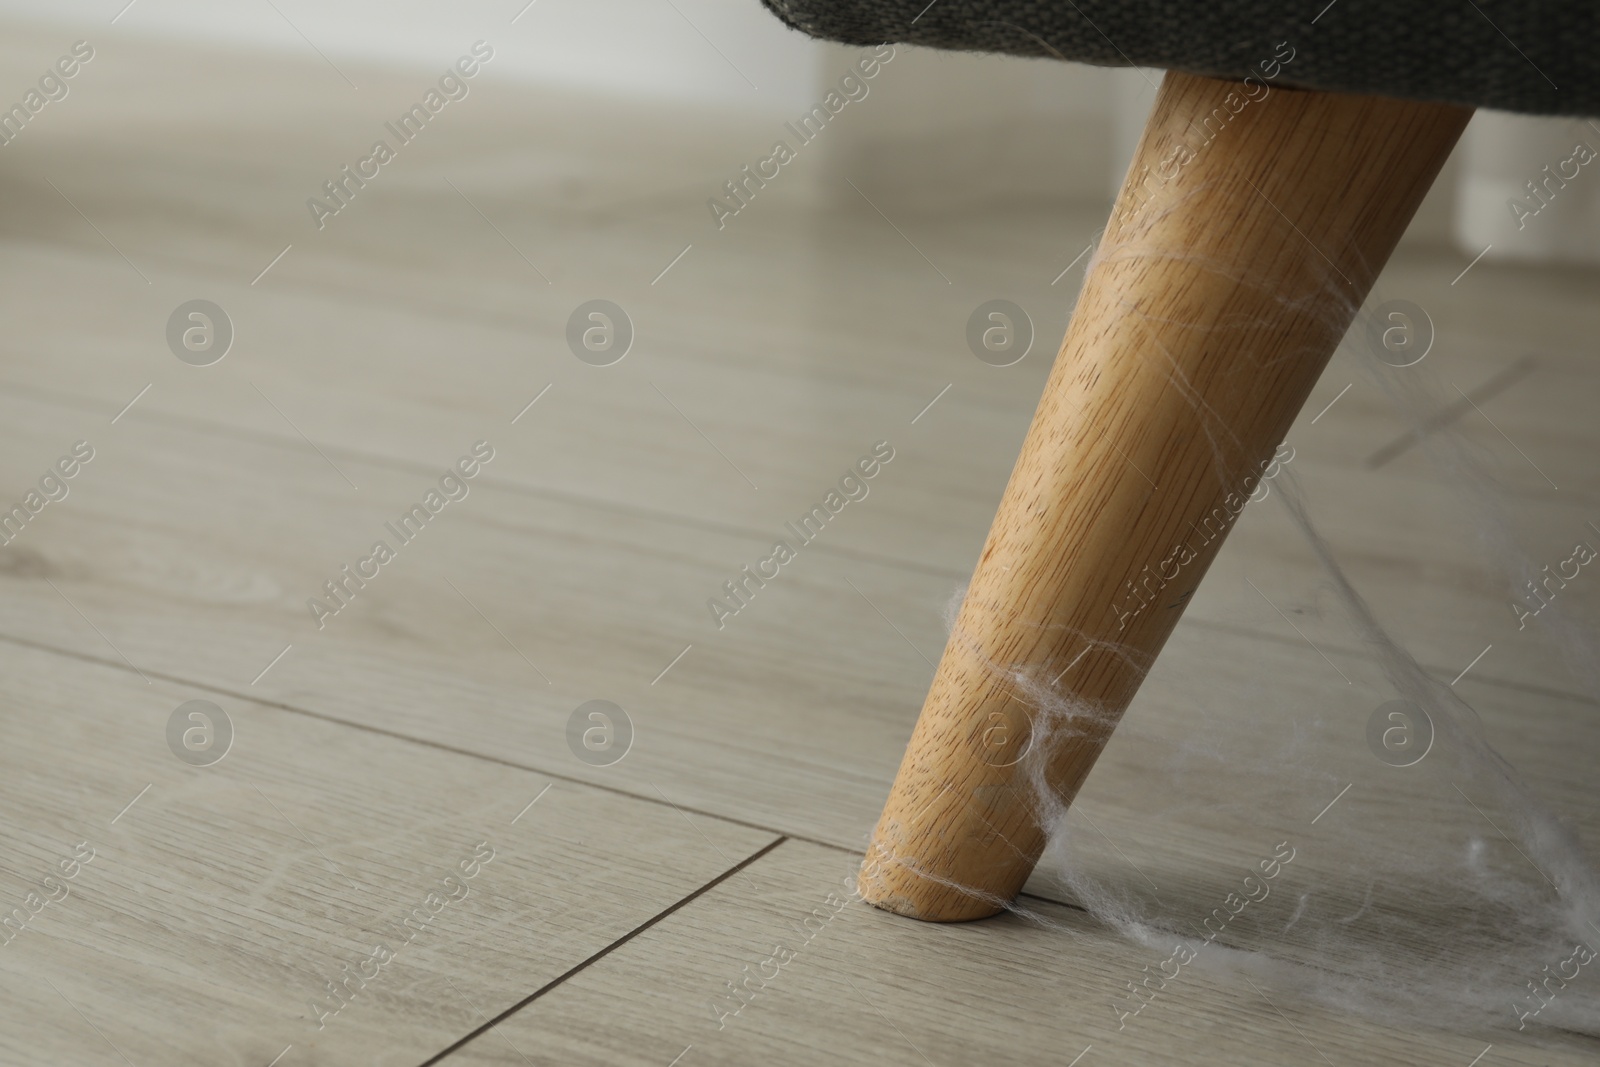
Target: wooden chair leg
[1247,235]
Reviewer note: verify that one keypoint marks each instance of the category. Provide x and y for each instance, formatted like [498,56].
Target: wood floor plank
[853,985]
[196,914]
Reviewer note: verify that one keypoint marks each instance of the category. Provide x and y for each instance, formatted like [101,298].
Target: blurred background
[945,129]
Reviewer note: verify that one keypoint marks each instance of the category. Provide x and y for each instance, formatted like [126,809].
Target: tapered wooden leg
[1243,242]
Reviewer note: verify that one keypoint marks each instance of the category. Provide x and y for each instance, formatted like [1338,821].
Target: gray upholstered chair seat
[1536,56]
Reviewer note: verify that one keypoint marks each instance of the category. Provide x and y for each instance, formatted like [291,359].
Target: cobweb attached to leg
[1447,890]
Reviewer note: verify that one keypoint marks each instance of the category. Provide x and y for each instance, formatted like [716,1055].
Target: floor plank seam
[602,953]
[426,743]
[422,741]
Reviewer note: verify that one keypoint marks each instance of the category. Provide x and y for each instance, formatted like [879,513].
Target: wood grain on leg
[1231,268]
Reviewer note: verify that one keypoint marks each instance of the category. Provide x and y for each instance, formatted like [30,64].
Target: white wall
[628,46]
[1505,152]
[940,128]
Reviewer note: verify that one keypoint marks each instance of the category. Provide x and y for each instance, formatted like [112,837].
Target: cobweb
[1447,890]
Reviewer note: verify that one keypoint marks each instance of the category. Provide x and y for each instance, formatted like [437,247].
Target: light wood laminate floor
[379,754]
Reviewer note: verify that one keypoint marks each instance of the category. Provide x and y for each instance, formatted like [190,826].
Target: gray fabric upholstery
[1539,56]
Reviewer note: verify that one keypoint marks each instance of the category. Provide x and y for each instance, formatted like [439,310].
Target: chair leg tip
[928,901]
